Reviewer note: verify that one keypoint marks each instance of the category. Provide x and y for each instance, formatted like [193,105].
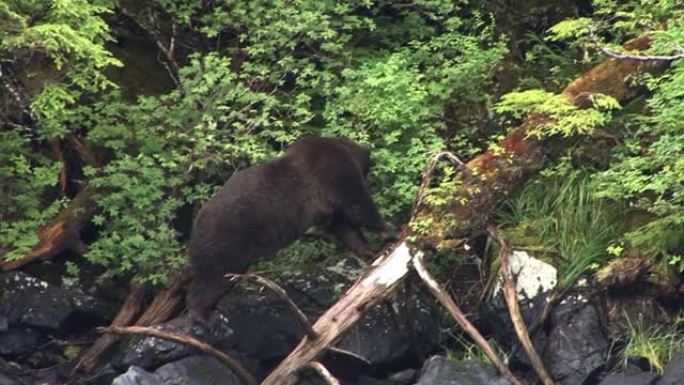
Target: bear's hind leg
[204,294]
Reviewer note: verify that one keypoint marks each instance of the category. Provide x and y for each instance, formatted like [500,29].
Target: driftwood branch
[282,294]
[374,285]
[445,299]
[426,178]
[229,361]
[514,308]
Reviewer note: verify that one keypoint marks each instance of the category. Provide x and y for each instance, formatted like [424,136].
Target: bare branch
[229,361]
[514,308]
[324,373]
[170,63]
[350,354]
[445,299]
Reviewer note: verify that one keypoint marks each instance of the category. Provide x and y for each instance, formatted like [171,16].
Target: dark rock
[576,345]
[30,301]
[104,376]
[643,378]
[440,370]
[17,340]
[7,376]
[405,377]
[674,372]
[309,377]
[364,380]
[6,379]
[383,335]
[195,370]
[264,328]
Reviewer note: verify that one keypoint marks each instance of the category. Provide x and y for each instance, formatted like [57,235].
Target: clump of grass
[564,215]
[470,351]
[657,343]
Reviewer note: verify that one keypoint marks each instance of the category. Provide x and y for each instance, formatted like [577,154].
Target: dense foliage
[405,78]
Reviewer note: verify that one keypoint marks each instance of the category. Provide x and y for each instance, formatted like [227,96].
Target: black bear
[261,209]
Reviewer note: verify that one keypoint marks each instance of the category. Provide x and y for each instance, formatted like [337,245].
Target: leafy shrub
[276,72]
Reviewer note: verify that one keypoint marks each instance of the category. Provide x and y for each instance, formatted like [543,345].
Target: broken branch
[511,298]
[445,299]
[375,284]
[61,233]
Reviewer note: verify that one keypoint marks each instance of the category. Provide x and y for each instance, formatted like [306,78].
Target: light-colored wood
[511,298]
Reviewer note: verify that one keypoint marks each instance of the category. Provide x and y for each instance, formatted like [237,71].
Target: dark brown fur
[261,209]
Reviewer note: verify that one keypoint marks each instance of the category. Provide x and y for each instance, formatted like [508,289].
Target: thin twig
[427,176]
[229,361]
[625,56]
[170,64]
[445,299]
[282,294]
[514,308]
[324,373]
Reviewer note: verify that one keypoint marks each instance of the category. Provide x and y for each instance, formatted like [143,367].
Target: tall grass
[657,343]
[565,215]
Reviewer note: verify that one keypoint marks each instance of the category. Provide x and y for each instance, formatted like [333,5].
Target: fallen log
[167,302]
[60,234]
[492,176]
